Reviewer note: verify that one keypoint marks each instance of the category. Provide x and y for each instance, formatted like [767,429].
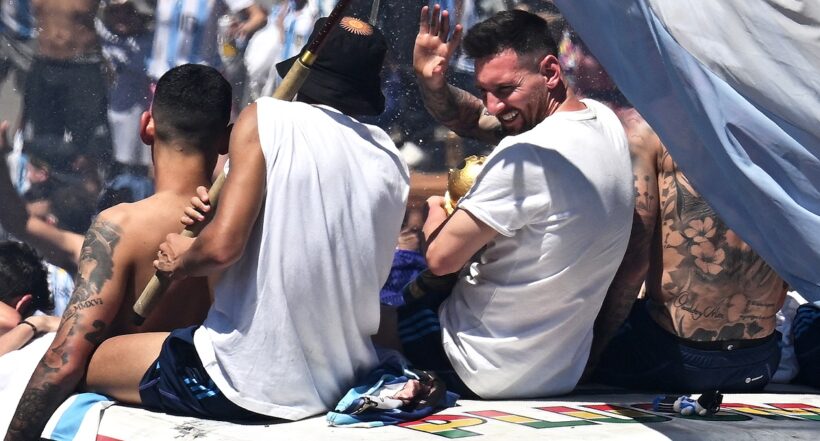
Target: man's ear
[225,140]
[550,68]
[147,129]
[22,306]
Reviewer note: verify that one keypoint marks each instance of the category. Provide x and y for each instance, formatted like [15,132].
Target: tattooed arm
[645,149]
[460,111]
[94,303]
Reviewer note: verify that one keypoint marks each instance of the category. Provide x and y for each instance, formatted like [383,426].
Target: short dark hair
[521,31]
[22,272]
[73,207]
[69,202]
[192,102]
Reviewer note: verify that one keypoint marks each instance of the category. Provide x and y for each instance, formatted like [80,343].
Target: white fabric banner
[732,87]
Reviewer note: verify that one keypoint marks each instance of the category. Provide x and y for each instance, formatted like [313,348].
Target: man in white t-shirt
[305,231]
[541,233]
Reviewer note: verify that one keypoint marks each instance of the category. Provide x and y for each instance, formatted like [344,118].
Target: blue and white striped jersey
[186,32]
[16,19]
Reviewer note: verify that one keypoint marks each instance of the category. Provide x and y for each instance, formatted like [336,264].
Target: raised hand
[432,51]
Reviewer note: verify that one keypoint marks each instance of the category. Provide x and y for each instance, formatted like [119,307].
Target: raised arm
[257,17]
[457,109]
[85,324]
[59,247]
[645,150]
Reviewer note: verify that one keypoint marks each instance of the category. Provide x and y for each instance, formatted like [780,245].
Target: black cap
[346,73]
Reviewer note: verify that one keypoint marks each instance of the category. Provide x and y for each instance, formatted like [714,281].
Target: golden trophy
[460,180]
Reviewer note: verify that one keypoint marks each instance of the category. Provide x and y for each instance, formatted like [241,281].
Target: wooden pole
[290,85]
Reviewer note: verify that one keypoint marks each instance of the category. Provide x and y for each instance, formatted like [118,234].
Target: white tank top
[290,327]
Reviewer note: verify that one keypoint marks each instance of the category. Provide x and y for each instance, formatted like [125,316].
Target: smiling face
[513,89]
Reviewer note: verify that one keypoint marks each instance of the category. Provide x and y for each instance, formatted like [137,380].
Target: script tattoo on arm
[63,365]
[462,113]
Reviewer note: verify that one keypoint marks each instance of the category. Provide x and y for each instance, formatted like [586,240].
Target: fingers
[434,23]
[438,25]
[455,40]
[444,29]
[202,192]
[191,216]
[424,21]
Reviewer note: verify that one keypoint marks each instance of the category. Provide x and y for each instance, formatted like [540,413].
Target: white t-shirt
[290,327]
[185,32]
[519,321]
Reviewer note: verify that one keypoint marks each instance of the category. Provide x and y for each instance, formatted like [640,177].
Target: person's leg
[42,114]
[420,335]
[640,356]
[118,365]
[806,330]
[86,111]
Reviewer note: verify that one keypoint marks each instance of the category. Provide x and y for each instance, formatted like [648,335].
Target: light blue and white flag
[732,87]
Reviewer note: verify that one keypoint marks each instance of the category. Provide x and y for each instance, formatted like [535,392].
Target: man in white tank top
[305,233]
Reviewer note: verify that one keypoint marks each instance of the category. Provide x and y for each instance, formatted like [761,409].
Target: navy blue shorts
[806,332]
[644,356]
[177,383]
[420,335]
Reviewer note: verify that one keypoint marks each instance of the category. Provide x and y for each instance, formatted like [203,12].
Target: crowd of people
[582,253]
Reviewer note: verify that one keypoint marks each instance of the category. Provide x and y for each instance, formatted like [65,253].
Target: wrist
[27,324]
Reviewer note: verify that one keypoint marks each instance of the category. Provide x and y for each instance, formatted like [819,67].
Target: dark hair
[39,191]
[521,31]
[73,207]
[191,103]
[22,272]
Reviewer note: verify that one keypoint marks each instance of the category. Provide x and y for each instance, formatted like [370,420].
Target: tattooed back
[704,282]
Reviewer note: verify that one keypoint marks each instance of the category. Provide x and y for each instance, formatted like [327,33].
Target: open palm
[432,51]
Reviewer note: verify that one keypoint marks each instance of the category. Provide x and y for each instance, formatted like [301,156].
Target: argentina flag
[732,87]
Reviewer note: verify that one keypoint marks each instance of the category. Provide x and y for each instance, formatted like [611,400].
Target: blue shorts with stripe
[420,335]
[177,383]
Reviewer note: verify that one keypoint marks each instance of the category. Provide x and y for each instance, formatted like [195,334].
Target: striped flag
[732,87]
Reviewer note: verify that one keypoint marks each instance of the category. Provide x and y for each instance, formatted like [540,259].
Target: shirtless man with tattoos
[66,89]
[187,128]
[708,317]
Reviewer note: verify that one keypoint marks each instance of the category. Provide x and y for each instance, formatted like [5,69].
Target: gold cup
[460,180]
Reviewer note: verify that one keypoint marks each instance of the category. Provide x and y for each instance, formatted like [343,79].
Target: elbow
[441,264]
[225,254]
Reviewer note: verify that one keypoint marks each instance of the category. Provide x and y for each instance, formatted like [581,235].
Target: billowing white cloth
[731,87]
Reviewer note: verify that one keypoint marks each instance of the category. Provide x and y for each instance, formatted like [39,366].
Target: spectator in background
[186,32]
[23,292]
[40,227]
[17,36]
[126,33]
[66,93]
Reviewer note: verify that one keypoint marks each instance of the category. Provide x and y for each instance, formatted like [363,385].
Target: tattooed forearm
[64,363]
[462,113]
[36,404]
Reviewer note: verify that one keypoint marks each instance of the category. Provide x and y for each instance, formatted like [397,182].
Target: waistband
[728,345]
[718,345]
